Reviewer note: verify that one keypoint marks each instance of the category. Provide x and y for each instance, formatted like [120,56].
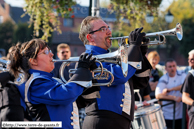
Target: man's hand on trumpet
[136,37]
[85,61]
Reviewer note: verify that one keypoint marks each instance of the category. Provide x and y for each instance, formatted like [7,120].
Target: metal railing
[174,111]
[174,107]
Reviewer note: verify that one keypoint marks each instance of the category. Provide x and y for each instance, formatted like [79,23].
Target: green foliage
[10,34]
[22,33]
[182,9]
[104,3]
[6,34]
[183,12]
[44,15]
[115,42]
[134,10]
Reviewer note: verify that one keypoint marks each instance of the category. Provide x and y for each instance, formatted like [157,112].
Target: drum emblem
[154,120]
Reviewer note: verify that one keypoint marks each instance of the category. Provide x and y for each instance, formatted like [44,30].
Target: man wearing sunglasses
[115,107]
[63,53]
[188,90]
[190,61]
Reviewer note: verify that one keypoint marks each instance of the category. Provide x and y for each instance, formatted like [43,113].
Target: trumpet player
[115,108]
[48,99]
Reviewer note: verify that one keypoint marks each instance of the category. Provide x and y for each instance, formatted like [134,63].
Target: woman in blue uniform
[48,99]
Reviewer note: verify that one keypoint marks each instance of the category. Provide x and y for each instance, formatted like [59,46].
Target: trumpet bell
[179,31]
[124,60]
[119,57]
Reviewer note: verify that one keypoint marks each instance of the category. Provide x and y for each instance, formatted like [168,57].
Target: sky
[21,3]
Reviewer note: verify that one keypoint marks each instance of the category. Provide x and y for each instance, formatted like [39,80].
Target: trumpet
[177,31]
[2,69]
[100,73]
[3,62]
[119,57]
[3,65]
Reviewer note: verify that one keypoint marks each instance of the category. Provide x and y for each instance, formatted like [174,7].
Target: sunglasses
[191,59]
[46,52]
[64,52]
[102,29]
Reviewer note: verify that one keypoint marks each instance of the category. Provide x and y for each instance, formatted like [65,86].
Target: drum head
[147,110]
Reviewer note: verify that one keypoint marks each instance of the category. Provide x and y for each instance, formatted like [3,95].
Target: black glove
[136,37]
[85,62]
[144,49]
[93,65]
[146,40]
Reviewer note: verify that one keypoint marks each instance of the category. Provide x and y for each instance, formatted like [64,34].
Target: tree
[182,9]
[22,33]
[6,35]
[183,12]
[44,15]
[115,42]
[134,10]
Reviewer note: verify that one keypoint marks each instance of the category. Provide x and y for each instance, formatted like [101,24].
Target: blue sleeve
[53,93]
[118,74]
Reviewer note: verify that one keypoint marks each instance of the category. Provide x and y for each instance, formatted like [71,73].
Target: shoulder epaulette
[180,72]
[164,79]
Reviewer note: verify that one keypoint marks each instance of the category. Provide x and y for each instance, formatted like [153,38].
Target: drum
[150,117]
